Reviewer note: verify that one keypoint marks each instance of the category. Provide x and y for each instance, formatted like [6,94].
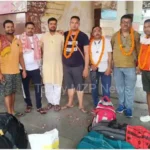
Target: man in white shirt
[101,64]
[32,58]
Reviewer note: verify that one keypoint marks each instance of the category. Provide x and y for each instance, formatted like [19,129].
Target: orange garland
[66,44]
[121,46]
[101,55]
[141,66]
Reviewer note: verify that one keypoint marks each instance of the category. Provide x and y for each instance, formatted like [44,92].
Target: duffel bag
[13,130]
[104,111]
[94,140]
[138,136]
[5,143]
[111,129]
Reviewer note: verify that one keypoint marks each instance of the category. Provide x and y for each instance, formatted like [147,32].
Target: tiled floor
[71,123]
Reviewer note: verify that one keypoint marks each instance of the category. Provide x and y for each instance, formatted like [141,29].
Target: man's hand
[108,71]
[24,74]
[85,72]
[94,68]
[138,71]
[1,78]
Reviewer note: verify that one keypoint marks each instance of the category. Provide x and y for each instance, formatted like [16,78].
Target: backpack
[138,136]
[12,132]
[104,111]
[94,140]
[112,129]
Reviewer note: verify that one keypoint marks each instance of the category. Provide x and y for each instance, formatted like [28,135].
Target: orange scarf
[73,44]
[101,55]
[121,46]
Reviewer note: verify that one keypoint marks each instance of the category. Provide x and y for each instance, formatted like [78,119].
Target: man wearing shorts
[10,57]
[76,62]
[144,65]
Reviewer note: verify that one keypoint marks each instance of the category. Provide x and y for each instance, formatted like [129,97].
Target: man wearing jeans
[126,46]
[32,58]
[101,60]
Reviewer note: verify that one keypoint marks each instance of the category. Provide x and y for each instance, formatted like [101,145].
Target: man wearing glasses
[126,46]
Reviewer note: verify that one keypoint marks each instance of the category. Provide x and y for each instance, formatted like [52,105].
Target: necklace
[97,46]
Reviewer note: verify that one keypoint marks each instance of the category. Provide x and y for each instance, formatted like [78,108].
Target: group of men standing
[69,55]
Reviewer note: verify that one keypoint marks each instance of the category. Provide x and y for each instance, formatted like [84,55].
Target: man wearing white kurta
[101,60]
[52,45]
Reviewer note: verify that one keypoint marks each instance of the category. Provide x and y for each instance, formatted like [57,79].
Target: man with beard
[10,57]
[32,58]
[52,46]
[76,62]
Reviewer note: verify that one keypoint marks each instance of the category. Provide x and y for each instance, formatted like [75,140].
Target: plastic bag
[48,140]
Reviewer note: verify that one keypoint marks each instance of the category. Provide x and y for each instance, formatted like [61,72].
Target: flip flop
[83,110]
[57,108]
[18,114]
[49,106]
[42,111]
[67,107]
[28,109]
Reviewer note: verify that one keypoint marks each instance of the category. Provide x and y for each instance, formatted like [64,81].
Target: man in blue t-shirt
[76,62]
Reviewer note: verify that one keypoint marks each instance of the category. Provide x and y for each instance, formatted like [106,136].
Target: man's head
[96,32]
[29,28]
[52,24]
[74,23]
[126,22]
[147,27]
[9,27]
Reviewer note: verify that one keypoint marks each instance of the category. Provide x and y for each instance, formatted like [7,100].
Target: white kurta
[52,58]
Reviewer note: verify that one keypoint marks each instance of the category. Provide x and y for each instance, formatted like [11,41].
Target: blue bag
[95,140]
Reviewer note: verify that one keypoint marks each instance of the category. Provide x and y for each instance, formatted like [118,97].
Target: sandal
[28,109]
[57,108]
[41,111]
[67,106]
[18,114]
[83,110]
[49,106]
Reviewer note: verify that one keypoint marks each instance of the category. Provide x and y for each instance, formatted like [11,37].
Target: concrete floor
[71,123]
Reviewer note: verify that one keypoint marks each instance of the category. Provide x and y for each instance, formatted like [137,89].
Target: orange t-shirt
[9,64]
[142,57]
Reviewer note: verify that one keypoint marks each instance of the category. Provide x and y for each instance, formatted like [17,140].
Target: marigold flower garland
[73,44]
[121,46]
[101,55]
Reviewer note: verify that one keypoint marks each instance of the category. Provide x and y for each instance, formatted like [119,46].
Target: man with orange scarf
[10,57]
[144,65]
[101,63]
[76,62]
[126,46]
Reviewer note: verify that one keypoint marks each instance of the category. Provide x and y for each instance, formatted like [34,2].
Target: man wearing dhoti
[52,46]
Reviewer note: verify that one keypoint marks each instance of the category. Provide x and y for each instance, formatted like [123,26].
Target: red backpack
[138,136]
[104,111]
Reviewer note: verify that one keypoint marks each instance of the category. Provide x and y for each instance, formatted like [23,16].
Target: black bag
[111,129]
[12,132]
[5,143]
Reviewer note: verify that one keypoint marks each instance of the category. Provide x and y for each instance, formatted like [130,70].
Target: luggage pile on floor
[12,133]
[106,133]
